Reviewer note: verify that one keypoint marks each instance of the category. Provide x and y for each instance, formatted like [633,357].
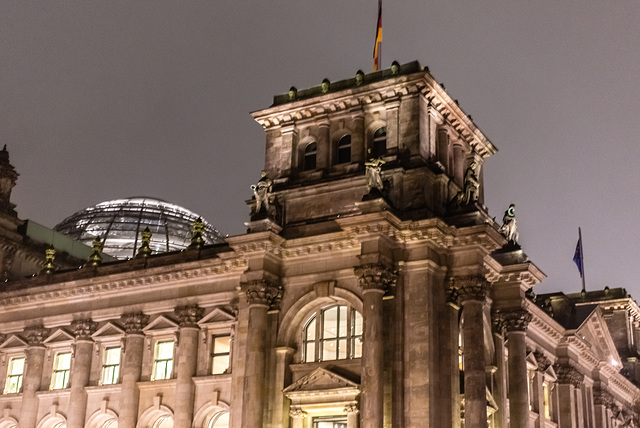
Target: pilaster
[131,368]
[79,376]
[188,317]
[35,355]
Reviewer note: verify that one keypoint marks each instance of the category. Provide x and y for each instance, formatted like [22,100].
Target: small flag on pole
[578,258]
[377,47]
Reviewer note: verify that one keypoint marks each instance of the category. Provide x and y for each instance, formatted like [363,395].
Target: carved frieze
[35,335]
[262,292]
[568,375]
[375,276]
[83,329]
[189,315]
[134,322]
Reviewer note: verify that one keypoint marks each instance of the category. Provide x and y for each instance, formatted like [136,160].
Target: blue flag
[577,257]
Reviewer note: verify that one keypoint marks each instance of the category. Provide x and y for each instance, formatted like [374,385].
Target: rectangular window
[163,361]
[61,368]
[110,366]
[330,422]
[14,375]
[220,353]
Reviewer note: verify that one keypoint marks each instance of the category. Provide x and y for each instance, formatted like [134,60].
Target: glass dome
[120,224]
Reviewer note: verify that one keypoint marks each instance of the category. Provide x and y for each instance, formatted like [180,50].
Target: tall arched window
[309,157]
[344,150]
[379,142]
[164,421]
[220,420]
[333,333]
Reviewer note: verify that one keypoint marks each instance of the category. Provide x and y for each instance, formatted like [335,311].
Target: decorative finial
[95,258]
[509,228]
[325,86]
[49,266]
[197,240]
[293,93]
[145,245]
[359,77]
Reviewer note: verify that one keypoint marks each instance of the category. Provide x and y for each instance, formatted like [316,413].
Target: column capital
[602,397]
[375,277]
[542,360]
[351,408]
[83,329]
[297,412]
[35,335]
[515,320]
[567,374]
[189,315]
[262,293]
[134,322]
[466,288]
[498,324]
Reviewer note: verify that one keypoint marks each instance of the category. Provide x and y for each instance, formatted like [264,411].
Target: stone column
[601,401]
[32,379]
[472,294]
[500,387]
[373,279]
[131,368]
[352,415]
[323,153]
[188,317]
[516,322]
[297,416]
[393,125]
[358,140]
[260,295]
[458,164]
[283,359]
[538,398]
[568,379]
[81,370]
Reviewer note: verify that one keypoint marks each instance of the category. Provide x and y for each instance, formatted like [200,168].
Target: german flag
[377,48]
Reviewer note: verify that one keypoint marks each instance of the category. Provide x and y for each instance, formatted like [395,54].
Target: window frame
[214,354]
[318,317]
[103,354]
[170,373]
[341,150]
[8,376]
[310,150]
[376,142]
[55,371]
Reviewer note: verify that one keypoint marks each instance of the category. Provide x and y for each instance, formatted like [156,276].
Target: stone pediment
[59,336]
[14,342]
[161,323]
[109,330]
[595,332]
[217,316]
[320,380]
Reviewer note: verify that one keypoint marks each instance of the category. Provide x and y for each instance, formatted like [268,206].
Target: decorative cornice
[35,335]
[375,277]
[189,315]
[262,293]
[83,329]
[568,375]
[134,322]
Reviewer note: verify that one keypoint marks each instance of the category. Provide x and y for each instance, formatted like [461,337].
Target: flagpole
[584,288]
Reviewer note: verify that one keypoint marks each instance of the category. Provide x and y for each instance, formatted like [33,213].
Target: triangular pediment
[217,316]
[531,359]
[108,330]
[595,332]
[551,373]
[59,336]
[13,342]
[320,380]
[161,323]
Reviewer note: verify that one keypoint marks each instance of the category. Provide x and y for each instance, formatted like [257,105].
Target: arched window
[344,150]
[220,420]
[164,421]
[334,333]
[379,142]
[309,158]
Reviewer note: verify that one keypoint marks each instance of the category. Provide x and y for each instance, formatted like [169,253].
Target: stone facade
[343,305]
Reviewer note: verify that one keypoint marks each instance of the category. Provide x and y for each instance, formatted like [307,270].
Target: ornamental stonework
[351,408]
[542,361]
[134,322]
[467,288]
[297,412]
[498,324]
[375,277]
[262,293]
[83,329]
[35,335]
[602,397]
[515,320]
[189,315]
[568,375]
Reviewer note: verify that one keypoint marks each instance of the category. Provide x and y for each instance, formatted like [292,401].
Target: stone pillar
[188,317]
[393,125]
[261,295]
[352,415]
[283,359]
[601,401]
[80,372]
[297,416]
[323,153]
[538,380]
[289,144]
[568,379]
[374,279]
[358,145]
[500,386]
[32,379]
[516,323]
[458,164]
[131,368]
[472,294]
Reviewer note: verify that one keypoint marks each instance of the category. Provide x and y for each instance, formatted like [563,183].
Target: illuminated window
[61,367]
[221,420]
[335,333]
[110,366]
[163,362]
[330,422]
[14,375]
[344,150]
[309,158]
[545,398]
[164,421]
[220,353]
[379,142]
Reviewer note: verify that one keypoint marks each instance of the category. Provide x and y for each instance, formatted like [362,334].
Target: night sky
[108,99]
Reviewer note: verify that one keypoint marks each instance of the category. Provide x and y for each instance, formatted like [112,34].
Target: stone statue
[471,191]
[373,174]
[261,191]
[509,228]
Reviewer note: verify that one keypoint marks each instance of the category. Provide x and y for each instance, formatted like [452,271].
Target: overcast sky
[108,99]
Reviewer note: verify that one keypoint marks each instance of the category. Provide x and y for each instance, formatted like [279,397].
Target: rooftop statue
[261,191]
[509,228]
[373,174]
[471,191]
